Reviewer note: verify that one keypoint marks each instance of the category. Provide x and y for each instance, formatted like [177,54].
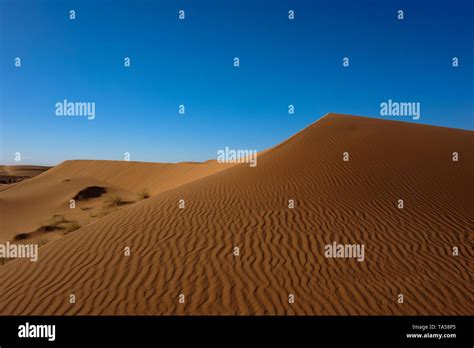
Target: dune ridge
[190,251]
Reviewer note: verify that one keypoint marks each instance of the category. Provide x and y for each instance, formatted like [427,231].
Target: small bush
[143,195]
[21,236]
[4,260]
[73,226]
[53,224]
[114,201]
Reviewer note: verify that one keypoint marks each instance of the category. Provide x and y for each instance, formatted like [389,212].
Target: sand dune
[21,170]
[190,251]
[136,176]
[13,174]
[33,203]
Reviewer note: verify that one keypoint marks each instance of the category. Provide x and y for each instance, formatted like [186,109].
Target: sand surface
[190,251]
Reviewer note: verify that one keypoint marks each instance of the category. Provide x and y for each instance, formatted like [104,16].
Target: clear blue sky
[191,62]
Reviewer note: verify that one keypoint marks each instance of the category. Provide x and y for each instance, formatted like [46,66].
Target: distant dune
[20,170]
[190,251]
[34,203]
[12,174]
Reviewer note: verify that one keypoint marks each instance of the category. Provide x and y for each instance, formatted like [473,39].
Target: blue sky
[190,62]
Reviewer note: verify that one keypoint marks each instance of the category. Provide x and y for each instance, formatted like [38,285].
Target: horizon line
[328,114]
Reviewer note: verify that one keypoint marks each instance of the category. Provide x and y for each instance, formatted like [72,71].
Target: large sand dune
[190,251]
